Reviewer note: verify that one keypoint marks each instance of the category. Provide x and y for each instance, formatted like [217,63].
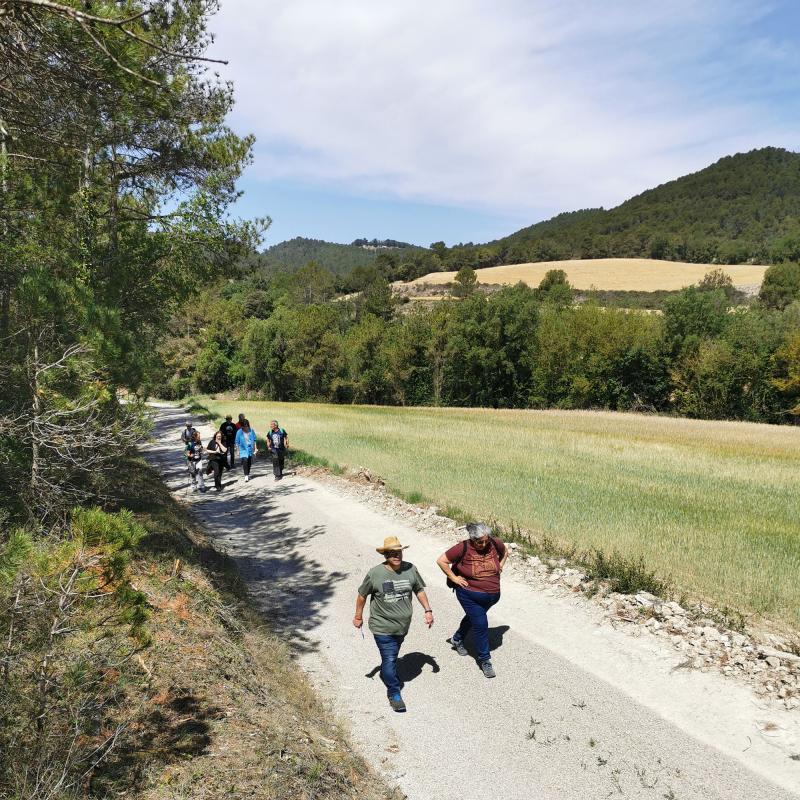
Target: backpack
[454,566]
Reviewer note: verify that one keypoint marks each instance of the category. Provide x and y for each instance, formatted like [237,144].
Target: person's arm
[504,557]
[255,442]
[286,440]
[423,600]
[444,566]
[358,618]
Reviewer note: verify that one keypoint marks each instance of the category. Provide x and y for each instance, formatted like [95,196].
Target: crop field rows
[711,506]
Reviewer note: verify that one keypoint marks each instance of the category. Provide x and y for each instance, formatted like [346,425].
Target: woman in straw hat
[390,586]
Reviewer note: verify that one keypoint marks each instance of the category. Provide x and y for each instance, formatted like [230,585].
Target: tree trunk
[36,413]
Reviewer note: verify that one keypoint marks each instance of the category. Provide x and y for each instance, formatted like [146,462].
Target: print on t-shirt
[483,565]
[395,591]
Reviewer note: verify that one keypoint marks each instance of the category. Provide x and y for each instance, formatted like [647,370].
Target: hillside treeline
[116,170]
[744,208]
[289,339]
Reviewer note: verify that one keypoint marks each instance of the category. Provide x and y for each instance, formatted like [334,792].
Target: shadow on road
[288,586]
[410,666]
[496,635]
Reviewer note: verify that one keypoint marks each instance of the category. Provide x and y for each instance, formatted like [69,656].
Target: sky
[465,120]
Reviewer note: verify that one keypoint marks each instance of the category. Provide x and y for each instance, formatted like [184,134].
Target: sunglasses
[393,553]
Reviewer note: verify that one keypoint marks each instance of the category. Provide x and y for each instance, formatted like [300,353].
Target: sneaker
[246,478]
[396,702]
[488,669]
[458,646]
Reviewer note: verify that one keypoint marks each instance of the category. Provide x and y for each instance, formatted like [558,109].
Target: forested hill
[743,207]
[338,258]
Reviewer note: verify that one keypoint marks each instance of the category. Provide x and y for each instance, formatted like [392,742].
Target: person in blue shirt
[246,444]
[277,444]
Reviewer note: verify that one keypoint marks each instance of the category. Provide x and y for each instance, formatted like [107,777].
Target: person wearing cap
[228,431]
[473,569]
[389,586]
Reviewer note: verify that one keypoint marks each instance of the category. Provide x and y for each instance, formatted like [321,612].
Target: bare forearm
[360,603]
[444,566]
[423,600]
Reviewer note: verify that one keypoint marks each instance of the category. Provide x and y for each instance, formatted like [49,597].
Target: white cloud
[512,106]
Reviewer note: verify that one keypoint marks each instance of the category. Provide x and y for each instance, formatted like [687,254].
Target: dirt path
[578,710]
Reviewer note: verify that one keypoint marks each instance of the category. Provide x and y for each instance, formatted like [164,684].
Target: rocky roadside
[763,660]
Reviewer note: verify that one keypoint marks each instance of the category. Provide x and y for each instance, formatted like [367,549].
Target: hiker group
[219,453]
[472,567]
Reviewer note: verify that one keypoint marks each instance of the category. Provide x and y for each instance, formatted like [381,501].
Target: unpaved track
[578,710]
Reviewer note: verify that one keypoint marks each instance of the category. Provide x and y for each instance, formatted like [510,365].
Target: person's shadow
[409,667]
[496,635]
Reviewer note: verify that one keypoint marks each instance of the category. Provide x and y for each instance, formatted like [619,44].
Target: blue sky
[465,120]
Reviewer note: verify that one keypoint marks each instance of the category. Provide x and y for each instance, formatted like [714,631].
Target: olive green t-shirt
[390,597]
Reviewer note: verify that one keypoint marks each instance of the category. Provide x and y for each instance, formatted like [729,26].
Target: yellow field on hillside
[631,274]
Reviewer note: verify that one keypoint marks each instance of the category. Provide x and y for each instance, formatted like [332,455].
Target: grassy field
[711,505]
[631,274]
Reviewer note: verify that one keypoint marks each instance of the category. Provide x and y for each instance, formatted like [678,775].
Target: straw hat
[391,543]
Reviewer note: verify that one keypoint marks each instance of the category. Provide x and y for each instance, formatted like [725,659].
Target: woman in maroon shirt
[473,568]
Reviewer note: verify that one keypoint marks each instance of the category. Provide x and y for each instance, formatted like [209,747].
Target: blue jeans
[475,605]
[389,647]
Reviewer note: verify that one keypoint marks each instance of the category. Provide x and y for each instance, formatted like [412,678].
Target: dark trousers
[278,460]
[216,465]
[230,455]
[475,605]
[389,648]
[246,464]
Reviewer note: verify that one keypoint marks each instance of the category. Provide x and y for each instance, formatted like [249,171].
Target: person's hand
[358,622]
[429,618]
[462,582]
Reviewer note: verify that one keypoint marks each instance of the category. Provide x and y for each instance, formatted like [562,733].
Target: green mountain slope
[743,207]
[290,255]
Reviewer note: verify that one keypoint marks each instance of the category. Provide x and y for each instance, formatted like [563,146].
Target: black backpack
[454,566]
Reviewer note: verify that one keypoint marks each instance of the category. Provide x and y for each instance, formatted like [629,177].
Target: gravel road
[578,710]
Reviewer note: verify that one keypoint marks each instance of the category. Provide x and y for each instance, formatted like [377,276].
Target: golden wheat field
[713,506]
[622,274]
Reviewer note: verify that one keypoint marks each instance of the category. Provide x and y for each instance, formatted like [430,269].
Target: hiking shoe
[488,669]
[458,646]
[396,702]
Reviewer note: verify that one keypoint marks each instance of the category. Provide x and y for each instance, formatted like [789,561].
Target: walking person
[277,445]
[473,569]
[217,454]
[246,444]
[194,459]
[389,586]
[186,433]
[228,431]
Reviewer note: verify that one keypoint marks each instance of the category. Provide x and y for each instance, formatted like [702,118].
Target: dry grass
[711,505]
[221,709]
[628,274]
